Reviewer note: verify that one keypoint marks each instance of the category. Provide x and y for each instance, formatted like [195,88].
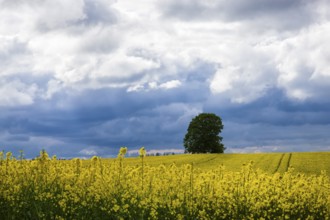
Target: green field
[308,163]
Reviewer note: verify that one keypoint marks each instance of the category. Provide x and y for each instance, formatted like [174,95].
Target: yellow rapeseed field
[48,188]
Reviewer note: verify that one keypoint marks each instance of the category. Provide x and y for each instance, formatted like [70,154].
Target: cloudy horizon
[85,77]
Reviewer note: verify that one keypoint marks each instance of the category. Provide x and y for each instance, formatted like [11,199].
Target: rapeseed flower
[122,152]
[169,191]
[142,152]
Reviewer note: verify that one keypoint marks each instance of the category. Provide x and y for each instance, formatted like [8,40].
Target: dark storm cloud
[102,120]
[274,122]
[274,108]
[113,117]
[266,137]
[107,118]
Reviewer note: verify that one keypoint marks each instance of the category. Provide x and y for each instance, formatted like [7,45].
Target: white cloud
[88,152]
[302,62]
[135,88]
[121,66]
[53,86]
[154,86]
[246,72]
[170,84]
[17,93]
[58,14]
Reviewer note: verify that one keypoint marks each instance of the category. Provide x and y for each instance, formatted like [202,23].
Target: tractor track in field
[279,163]
[206,161]
[288,162]
[284,161]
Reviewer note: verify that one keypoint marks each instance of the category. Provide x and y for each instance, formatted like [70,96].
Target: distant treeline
[161,154]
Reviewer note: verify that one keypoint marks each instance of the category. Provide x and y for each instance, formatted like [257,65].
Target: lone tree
[203,134]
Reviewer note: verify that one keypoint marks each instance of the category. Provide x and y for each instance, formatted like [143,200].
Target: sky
[85,77]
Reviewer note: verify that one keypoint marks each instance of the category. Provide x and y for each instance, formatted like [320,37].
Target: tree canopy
[203,134]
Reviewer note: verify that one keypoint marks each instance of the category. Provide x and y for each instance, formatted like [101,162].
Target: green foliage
[203,134]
